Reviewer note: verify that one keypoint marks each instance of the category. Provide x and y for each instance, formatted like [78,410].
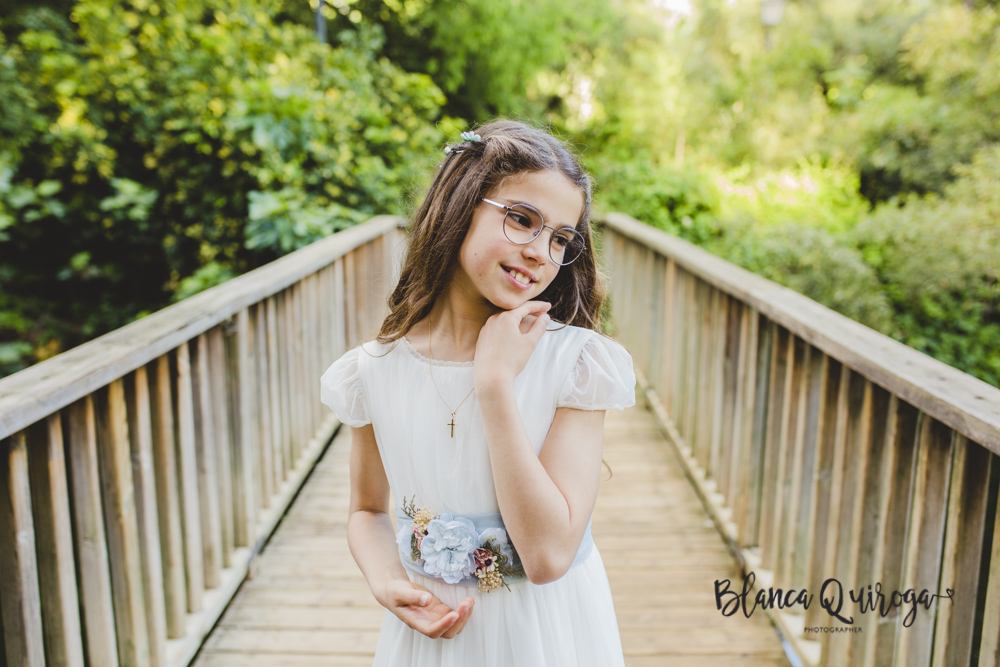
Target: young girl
[484,419]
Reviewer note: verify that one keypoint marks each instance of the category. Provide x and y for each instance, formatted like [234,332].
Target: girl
[485,420]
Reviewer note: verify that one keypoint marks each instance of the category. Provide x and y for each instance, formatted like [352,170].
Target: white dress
[569,622]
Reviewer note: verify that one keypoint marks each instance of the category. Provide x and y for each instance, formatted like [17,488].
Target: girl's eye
[560,241]
[520,218]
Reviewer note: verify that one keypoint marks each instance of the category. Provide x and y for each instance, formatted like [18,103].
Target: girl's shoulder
[569,335]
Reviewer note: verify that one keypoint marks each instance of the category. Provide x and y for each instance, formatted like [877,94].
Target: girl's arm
[546,500]
[373,544]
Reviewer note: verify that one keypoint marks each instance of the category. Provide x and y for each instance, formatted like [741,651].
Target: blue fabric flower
[448,547]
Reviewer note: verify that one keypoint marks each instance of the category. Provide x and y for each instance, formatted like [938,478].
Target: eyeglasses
[522,223]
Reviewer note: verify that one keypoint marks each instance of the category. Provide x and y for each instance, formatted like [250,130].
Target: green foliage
[141,142]
[939,262]
[810,194]
[485,55]
[682,203]
[812,262]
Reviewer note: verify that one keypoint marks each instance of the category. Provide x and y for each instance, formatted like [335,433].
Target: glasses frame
[508,209]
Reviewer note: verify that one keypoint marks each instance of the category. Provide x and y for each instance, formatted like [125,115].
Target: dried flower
[490,581]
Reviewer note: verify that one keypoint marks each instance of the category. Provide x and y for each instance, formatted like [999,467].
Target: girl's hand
[506,342]
[422,611]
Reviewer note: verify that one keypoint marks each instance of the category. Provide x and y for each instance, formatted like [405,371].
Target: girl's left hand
[506,342]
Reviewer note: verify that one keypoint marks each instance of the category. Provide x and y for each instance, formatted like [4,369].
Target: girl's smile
[504,273]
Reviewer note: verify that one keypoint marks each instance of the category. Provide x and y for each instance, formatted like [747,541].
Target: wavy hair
[472,170]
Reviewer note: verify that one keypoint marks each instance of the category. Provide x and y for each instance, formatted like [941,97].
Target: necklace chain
[430,353]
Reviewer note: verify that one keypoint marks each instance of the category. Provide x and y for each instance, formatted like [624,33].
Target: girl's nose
[538,249]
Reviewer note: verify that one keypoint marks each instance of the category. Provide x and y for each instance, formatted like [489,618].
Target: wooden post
[206,443]
[20,603]
[187,467]
[97,611]
[167,498]
[54,544]
[144,478]
[115,460]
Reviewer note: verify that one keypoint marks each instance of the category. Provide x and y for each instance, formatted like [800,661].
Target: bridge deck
[307,603]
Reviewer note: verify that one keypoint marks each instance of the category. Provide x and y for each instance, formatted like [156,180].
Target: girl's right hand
[421,610]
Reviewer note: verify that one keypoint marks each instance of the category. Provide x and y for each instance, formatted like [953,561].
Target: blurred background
[848,149]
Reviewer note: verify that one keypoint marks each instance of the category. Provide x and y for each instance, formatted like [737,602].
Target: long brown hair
[470,171]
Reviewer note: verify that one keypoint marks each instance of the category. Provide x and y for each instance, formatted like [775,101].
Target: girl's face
[487,259]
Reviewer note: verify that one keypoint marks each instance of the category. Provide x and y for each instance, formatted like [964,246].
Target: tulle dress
[569,622]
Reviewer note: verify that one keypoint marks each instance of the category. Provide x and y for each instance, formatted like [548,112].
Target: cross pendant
[452,424]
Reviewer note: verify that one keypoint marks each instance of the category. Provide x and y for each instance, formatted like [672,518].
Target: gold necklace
[430,353]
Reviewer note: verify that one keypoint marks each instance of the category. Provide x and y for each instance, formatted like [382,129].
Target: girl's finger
[465,612]
[538,326]
[436,630]
[530,308]
[416,597]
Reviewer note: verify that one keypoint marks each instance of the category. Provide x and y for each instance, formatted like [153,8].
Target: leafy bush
[938,259]
[142,141]
[682,203]
[812,262]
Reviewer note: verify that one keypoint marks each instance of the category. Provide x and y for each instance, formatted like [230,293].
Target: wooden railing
[141,472]
[822,449]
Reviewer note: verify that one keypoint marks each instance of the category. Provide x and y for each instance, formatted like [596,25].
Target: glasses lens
[566,245]
[523,223]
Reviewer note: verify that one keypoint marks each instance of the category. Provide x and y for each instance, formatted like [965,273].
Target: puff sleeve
[602,379]
[341,390]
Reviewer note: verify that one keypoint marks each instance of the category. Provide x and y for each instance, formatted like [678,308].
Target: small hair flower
[471,136]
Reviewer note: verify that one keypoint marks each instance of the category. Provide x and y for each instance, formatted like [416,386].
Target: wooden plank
[54,544]
[295,372]
[167,497]
[892,505]
[262,383]
[207,463]
[671,366]
[140,429]
[36,392]
[759,345]
[244,512]
[285,378]
[989,648]
[790,480]
[780,396]
[350,292]
[99,633]
[829,485]
[925,536]
[716,388]
[701,436]
[968,500]
[114,458]
[731,445]
[20,604]
[657,333]
[187,469]
[957,399]
[811,487]
[280,470]
[222,441]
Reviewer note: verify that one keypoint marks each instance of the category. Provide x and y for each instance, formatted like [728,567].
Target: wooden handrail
[142,471]
[32,394]
[821,449]
[963,402]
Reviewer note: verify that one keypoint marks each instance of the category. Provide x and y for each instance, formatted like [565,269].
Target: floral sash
[469,550]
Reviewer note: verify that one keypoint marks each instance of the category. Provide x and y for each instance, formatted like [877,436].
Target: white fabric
[567,623]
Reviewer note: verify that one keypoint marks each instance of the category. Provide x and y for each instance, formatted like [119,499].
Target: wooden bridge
[180,475]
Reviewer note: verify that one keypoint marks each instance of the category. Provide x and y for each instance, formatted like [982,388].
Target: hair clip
[471,136]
